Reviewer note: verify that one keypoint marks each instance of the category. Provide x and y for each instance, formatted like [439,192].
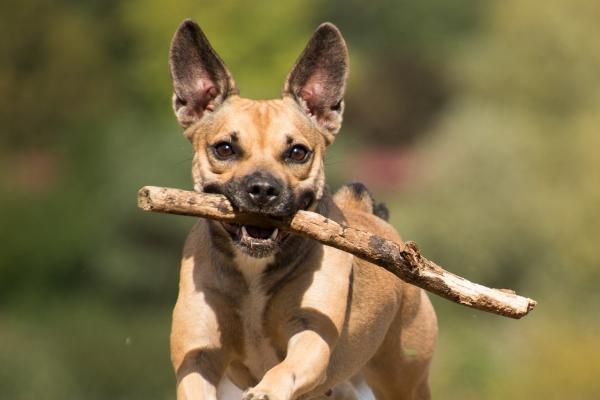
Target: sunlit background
[476,121]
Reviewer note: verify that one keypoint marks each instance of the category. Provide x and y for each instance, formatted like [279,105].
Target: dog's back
[356,196]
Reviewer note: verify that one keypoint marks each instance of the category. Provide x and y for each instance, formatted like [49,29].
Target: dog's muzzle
[262,190]
[263,194]
[260,193]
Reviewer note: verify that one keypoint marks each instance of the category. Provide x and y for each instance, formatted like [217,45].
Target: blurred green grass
[81,347]
[491,109]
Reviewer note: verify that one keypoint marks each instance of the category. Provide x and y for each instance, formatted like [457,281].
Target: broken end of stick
[144,201]
[530,306]
[523,310]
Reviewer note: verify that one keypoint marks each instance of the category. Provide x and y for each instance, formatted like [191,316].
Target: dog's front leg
[200,338]
[199,356]
[303,369]
[199,375]
[313,331]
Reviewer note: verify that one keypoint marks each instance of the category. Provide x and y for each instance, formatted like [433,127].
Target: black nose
[263,190]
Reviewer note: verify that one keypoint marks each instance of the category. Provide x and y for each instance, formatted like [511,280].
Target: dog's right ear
[201,82]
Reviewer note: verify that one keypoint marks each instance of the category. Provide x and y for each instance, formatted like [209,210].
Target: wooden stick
[402,259]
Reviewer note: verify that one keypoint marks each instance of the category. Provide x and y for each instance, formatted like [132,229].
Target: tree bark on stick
[403,259]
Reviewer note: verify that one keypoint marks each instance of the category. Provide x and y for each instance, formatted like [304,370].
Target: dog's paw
[252,394]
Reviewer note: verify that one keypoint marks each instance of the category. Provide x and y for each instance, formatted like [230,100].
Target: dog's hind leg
[400,368]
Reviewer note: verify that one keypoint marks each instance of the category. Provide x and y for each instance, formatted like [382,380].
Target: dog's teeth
[274,234]
[244,232]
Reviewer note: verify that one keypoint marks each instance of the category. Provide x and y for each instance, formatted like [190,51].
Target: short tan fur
[283,317]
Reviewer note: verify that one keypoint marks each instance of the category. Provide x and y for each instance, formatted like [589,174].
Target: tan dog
[281,316]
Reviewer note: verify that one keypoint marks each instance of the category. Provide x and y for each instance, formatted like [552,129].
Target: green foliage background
[495,103]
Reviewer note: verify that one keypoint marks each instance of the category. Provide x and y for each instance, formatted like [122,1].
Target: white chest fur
[260,354]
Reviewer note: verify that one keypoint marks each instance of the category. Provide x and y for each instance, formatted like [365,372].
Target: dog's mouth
[256,241]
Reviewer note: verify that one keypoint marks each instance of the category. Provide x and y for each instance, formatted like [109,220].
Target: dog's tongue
[258,232]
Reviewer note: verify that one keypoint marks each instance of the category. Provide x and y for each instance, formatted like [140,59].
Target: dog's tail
[356,196]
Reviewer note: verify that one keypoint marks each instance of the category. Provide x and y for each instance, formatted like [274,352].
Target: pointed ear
[201,82]
[318,80]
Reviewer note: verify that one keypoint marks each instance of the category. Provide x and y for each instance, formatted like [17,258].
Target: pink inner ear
[204,96]
[313,93]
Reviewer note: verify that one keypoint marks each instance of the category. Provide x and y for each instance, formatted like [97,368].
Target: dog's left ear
[201,81]
[318,79]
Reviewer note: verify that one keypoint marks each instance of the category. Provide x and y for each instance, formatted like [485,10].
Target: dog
[281,316]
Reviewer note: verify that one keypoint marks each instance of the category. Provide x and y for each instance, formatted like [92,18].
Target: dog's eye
[223,150]
[298,153]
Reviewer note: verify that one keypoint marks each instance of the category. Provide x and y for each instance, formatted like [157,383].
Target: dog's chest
[259,354]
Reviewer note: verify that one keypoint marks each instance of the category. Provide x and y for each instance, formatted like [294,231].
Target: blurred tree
[399,83]
[516,143]
[58,83]
[56,56]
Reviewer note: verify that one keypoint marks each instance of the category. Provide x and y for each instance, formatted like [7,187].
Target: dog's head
[265,156]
